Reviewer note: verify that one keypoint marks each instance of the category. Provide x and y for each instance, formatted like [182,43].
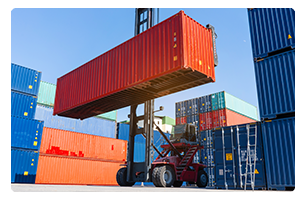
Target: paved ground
[82,188]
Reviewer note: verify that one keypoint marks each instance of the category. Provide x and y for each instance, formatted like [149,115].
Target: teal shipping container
[221,100]
[46,96]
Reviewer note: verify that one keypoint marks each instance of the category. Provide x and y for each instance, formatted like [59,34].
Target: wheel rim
[203,179]
[167,176]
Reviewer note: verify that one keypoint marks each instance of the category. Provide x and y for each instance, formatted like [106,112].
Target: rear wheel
[121,177]
[154,173]
[202,179]
[165,176]
[177,183]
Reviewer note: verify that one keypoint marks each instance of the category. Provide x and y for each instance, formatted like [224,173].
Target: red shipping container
[75,171]
[61,142]
[225,117]
[172,56]
[216,119]
[205,121]
[177,120]
[184,120]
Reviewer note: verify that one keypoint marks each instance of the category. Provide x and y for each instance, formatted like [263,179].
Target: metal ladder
[250,165]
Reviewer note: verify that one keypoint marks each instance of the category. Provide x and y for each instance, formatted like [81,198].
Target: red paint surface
[172,56]
[68,143]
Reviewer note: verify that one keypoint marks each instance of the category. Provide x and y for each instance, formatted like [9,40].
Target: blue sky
[56,41]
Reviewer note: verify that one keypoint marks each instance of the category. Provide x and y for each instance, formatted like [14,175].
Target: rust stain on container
[142,68]
[68,143]
[63,170]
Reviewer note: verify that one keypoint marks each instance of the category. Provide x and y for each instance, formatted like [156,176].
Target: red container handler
[172,56]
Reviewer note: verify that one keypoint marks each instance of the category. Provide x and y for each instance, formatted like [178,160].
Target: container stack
[73,151]
[272,33]
[213,111]
[26,132]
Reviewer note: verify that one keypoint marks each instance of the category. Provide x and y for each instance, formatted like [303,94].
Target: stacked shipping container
[272,33]
[68,157]
[212,111]
[26,132]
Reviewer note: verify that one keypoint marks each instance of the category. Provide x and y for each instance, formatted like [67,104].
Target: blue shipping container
[23,165]
[279,152]
[139,145]
[271,29]
[194,119]
[23,105]
[230,156]
[204,104]
[25,80]
[192,106]
[26,133]
[207,139]
[181,109]
[275,81]
[93,125]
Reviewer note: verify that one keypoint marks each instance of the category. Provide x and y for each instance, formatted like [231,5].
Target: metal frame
[140,171]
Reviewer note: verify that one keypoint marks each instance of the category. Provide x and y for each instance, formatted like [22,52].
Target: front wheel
[202,179]
[121,177]
[165,176]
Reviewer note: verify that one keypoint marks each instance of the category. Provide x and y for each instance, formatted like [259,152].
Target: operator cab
[184,133]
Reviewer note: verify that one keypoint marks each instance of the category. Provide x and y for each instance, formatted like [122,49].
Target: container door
[208,104]
[222,117]
[189,108]
[177,120]
[225,166]
[214,101]
[202,121]
[184,108]
[194,106]
[178,109]
[209,121]
[241,155]
[216,120]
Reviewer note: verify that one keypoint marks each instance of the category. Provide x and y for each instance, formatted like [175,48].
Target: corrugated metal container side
[23,105]
[279,151]
[139,141]
[193,119]
[25,80]
[94,126]
[223,100]
[207,139]
[46,96]
[181,109]
[172,56]
[271,29]
[275,81]
[204,103]
[26,133]
[230,118]
[192,107]
[23,165]
[229,158]
[61,142]
[205,121]
[75,171]
[177,120]
[215,119]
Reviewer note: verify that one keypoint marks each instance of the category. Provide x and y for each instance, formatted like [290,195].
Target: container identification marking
[289,36]
[25,114]
[25,173]
[35,143]
[229,156]
[30,86]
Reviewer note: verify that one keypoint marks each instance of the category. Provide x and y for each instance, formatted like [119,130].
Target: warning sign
[256,171]
[289,37]
[229,156]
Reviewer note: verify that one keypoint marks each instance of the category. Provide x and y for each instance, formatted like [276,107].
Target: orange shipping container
[68,143]
[79,171]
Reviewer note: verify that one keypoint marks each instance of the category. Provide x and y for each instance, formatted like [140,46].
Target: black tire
[121,177]
[165,176]
[177,183]
[155,170]
[202,179]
